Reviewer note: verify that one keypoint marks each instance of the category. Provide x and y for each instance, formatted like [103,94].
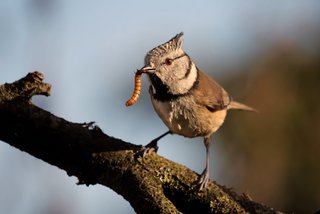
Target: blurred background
[265,54]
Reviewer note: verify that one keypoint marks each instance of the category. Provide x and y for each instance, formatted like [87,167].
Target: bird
[188,101]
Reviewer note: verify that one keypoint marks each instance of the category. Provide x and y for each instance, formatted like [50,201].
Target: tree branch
[151,185]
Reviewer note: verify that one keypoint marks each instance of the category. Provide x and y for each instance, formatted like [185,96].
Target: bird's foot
[151,147]
[202,180]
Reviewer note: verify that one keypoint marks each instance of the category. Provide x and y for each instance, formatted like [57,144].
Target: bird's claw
[151,147]
[202,180]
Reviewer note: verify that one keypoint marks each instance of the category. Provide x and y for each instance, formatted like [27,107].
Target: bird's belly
[188,119]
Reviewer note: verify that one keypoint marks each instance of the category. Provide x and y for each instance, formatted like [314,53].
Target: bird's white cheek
[185,83]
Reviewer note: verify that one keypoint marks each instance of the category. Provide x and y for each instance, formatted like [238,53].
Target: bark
[151,184]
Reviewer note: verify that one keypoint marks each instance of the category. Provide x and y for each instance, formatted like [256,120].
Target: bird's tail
[240,106]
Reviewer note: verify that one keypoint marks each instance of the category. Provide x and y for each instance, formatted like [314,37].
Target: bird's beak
[147,69]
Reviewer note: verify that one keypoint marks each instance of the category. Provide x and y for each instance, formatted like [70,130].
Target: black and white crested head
[170,69]
[173,45]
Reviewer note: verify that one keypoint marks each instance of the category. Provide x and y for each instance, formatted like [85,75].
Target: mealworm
[137,88]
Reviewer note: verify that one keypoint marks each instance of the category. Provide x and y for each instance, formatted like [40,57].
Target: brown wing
[210,94]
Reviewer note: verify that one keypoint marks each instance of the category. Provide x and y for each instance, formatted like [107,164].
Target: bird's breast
[184,117]
[178,123]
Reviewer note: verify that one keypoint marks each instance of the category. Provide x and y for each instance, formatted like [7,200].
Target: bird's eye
[168,61]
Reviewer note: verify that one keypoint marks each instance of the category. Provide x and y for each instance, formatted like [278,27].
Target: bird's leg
[153,145]
[204,177]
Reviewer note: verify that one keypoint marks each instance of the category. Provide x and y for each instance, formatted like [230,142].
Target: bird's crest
[161,50]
